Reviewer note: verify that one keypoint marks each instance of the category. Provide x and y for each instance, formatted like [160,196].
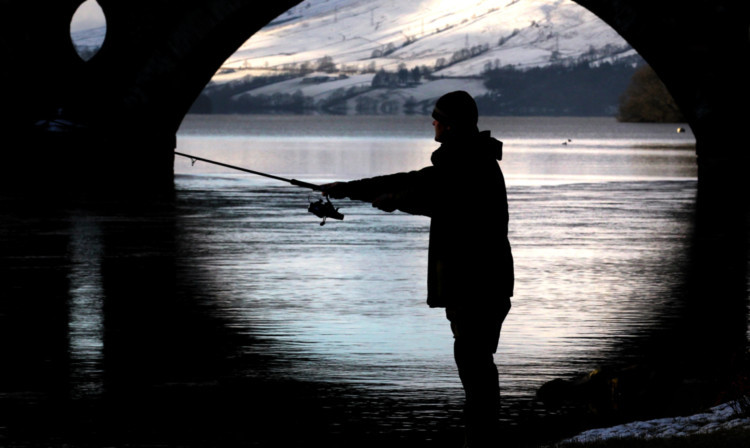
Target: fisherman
[470,265]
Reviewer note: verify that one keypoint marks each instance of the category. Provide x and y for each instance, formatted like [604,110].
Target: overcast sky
[89,15]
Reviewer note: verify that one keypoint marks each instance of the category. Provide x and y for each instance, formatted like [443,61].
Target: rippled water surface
[230,314]
[599,218]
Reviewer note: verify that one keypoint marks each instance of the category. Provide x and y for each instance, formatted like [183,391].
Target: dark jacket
[463,192]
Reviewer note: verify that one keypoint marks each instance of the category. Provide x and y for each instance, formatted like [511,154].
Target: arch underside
[159,55]
[126,103]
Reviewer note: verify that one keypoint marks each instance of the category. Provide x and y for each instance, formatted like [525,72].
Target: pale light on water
[348,147]
[598,229]
[222,310]
[86,326]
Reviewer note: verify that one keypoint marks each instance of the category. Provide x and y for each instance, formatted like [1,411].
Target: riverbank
[733,438]
[725,425]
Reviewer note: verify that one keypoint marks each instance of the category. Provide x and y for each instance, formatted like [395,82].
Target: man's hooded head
[457,110]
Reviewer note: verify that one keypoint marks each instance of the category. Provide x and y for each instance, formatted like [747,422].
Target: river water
[599,217]
[238,278]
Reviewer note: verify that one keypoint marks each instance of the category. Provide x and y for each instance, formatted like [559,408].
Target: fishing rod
[318,208]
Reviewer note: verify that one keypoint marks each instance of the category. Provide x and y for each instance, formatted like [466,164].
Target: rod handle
[299,183]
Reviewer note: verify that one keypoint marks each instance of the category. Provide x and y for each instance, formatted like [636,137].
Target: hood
[494,145]
[469,148]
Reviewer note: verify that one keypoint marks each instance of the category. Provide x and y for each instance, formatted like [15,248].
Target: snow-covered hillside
[386,33]
[455,39]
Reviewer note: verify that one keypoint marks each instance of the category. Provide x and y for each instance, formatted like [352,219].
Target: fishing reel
[324,210]
[318,208]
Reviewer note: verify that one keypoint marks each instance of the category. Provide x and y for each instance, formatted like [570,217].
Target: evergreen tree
[647,100]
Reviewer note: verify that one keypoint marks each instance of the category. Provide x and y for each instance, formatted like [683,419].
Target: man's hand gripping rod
[318,208]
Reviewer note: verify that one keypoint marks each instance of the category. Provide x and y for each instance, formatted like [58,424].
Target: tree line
[627,89]
[578,89]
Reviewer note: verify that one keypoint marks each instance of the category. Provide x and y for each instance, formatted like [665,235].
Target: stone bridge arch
[129,100]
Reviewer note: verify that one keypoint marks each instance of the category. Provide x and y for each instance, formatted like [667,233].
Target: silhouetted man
[470,266]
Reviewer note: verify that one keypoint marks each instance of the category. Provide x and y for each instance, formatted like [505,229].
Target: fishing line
[321,209]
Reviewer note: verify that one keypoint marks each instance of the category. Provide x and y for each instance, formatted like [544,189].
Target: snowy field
[725,416]
[532,32]
[363,36]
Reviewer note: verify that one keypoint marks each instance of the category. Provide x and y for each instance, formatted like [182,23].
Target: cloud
[89,15]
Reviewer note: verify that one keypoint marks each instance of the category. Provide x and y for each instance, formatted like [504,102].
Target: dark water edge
[170,371]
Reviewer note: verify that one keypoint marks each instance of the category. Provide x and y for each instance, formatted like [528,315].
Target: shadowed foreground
[113,334]
[145,360]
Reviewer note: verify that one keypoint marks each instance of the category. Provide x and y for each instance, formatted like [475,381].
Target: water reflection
[116,333]
[317,147]
[223,315]
[86,320]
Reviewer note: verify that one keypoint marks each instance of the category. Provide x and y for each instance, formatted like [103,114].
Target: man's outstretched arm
[412,192]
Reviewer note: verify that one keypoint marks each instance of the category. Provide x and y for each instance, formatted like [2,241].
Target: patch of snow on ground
[724,416]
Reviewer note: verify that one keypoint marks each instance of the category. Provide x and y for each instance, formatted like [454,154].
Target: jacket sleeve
[414,192]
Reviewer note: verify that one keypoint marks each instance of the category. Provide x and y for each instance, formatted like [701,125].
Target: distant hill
[389,56]
[387,33]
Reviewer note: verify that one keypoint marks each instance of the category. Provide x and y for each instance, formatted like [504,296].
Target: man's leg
[476,335]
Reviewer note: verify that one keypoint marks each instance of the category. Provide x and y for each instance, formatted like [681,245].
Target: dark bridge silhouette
[168,364]
[129,100]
